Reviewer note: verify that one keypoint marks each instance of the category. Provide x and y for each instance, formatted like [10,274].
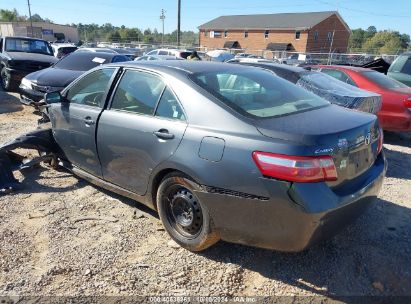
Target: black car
[326,87]
[57,77]
[20,56]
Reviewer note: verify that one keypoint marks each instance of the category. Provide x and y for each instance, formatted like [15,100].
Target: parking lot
[60,235]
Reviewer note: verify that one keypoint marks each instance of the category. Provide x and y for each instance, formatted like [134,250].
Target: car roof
[342,67]
[286,67]
[92,55]
[182,67]
[23,37]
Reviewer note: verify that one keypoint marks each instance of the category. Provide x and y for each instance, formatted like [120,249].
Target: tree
[114,36]
[385,42]
[357,39]
[371,31]
[9,16]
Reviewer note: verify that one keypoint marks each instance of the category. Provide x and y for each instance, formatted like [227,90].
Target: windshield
[383,80]
[257,93]
[28,46]
[80,62]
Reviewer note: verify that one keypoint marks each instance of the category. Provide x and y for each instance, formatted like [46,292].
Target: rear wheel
[184,217]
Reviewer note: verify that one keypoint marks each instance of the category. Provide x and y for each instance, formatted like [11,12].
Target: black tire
[6,80]
[184,217]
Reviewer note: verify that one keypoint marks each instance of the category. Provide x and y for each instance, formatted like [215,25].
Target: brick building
[299,32]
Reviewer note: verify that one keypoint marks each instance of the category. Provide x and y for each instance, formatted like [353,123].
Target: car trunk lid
[349,136]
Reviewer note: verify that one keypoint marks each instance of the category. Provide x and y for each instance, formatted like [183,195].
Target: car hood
[53,77]
[32,57]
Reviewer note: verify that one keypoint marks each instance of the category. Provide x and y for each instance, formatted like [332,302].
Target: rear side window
[339,75]
[169,107]
[383,80]
[163,53]
[138,92]
[257,93]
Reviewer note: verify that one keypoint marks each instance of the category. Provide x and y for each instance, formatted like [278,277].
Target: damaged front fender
[40,140]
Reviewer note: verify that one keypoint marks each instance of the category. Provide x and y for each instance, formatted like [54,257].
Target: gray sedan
[221,151]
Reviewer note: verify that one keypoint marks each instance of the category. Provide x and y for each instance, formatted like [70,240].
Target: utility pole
[178,23]
[31,21]
[162,17]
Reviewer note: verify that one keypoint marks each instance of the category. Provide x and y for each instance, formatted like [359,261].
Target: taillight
[301,169]
[407,103]
[380,140]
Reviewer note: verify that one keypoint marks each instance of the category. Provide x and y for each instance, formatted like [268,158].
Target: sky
[389,15]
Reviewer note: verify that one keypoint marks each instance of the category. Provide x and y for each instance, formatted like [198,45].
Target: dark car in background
[400,69]
[20,56]
[222,151]
[57,77]
[326,87]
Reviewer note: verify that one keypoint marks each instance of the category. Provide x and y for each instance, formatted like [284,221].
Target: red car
[395,114]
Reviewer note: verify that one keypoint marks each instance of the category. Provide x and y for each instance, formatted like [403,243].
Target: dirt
[48,248]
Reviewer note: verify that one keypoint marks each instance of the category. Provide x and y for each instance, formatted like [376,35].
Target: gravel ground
[48,246]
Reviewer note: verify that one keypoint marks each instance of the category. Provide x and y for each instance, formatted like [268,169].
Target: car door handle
[163,134]
[88,121]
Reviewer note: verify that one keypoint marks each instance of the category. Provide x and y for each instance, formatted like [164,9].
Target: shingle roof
[269,21]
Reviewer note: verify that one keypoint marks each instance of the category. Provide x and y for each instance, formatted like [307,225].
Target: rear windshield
[76,62]
[257,93]
[66,50]
[28,46]
[383,80]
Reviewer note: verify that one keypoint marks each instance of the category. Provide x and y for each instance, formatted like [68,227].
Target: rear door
[143,127]
[74,120]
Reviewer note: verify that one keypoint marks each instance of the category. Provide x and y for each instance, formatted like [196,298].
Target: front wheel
[184,217]
[5,79]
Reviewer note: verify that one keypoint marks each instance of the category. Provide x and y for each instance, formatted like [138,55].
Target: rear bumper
[295,216]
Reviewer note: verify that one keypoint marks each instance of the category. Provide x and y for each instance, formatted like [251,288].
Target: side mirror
[53,97]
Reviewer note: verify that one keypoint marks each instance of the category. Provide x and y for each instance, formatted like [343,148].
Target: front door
[75,119]
[142,128]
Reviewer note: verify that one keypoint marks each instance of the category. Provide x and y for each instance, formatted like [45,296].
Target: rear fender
[40,140]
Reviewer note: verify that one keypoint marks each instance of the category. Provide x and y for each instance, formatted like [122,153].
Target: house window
[225,34]
[246,34]
[316,36]
[329,36]
[266,34]
[206,33]
[297,35]
[217,34]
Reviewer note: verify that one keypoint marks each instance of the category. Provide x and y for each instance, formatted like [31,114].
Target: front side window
[257,93]
[91,89]
[138,92]
[398,64]
[28,46]
[406,69]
